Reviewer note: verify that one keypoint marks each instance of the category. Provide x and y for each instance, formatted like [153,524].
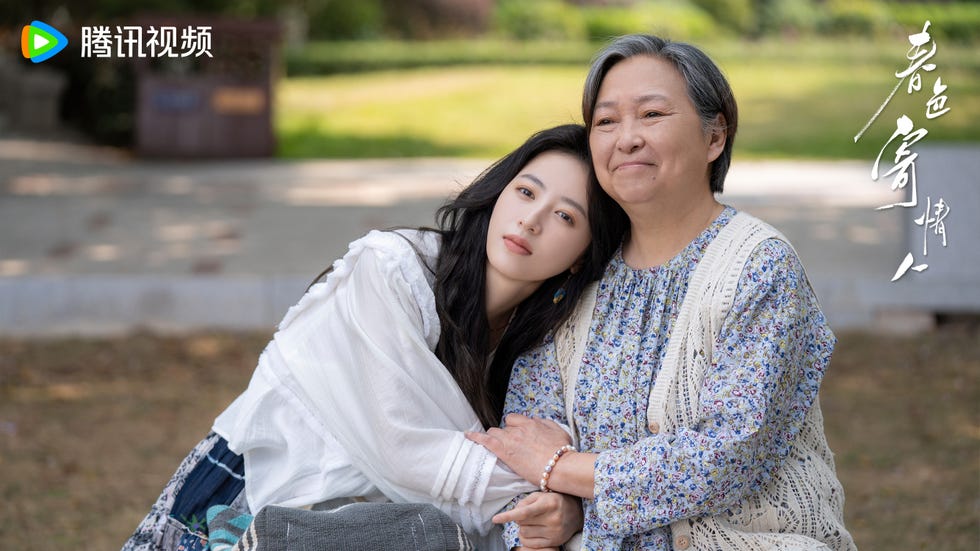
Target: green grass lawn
[464,111]
[797,100]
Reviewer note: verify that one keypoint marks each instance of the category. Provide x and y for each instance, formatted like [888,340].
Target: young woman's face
[540,226]
[648,142]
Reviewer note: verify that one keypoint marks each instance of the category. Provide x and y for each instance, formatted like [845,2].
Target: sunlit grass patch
[796,99]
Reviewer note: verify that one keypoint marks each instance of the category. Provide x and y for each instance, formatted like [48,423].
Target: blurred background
[158,216]
[333,66]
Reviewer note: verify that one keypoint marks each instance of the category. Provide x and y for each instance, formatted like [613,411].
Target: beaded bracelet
[551,465]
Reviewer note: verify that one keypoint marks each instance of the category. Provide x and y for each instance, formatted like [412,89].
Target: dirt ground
[90,430]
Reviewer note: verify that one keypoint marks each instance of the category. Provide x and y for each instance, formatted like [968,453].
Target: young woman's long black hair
[464,344]
[460,273]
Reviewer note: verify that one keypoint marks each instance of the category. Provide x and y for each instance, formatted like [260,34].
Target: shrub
[677,20]
[324,58]
[792,16]
[605,23]
[345,19]
[956,21]
[539,20]
[855,17]
[428,19]
[738,15]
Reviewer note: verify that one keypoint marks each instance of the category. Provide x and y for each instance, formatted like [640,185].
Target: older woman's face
[648,142]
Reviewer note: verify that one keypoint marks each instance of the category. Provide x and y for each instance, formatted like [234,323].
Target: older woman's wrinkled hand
[524,444]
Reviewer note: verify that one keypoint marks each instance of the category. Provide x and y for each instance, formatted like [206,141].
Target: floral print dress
[768,361]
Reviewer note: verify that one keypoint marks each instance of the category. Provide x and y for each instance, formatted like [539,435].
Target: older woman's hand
[545,519]
[525,444]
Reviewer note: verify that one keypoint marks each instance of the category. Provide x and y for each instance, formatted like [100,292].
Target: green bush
[956,21]
[605,23]
[677,20]
[345,19]
[539,20]
[738,15]
[855,17]
[792,16]
[436,19]
[332,57]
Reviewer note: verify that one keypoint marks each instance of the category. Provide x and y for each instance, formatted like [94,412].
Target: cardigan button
[682,542]
[654,427]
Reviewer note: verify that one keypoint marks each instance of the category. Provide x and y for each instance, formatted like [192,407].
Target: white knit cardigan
[801,507]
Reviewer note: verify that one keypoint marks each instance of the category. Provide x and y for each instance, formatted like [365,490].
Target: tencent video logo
[40,41]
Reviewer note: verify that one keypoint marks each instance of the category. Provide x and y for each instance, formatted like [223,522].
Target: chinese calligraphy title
[935,212]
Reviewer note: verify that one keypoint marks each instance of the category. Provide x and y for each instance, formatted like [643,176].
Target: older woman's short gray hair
[706,86]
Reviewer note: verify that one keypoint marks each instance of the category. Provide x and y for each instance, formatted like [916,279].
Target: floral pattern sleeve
[535,386]
[536,391]
[510,536]
[767,365]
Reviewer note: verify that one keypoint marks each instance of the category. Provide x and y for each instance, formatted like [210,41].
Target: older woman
[691,380]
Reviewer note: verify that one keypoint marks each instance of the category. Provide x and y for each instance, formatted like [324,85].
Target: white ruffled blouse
[349,399]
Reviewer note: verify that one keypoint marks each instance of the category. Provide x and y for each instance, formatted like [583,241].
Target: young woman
[372,378]
[692,374]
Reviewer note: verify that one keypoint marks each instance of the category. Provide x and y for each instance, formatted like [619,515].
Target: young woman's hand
[545,519]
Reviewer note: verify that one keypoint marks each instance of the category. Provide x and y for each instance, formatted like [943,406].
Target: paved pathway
[92,242]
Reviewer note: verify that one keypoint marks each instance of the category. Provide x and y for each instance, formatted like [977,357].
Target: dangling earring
[559,295]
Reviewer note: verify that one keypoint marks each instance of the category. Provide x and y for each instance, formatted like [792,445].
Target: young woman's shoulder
[412,253]
[404,259]
[403,245]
